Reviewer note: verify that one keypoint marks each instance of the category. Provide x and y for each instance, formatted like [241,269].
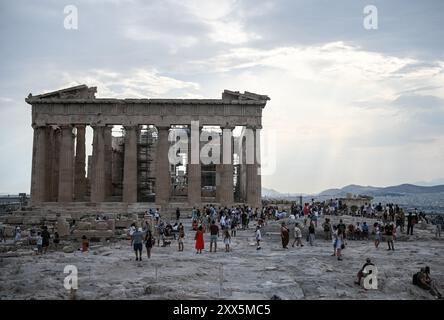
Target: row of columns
[59,175]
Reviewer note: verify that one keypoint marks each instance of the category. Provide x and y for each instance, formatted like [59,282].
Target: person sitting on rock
[427,283]
[361,273]
[351,232]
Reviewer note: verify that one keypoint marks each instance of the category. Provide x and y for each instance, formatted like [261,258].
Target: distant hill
[402,189]
[382,191]
[271,193]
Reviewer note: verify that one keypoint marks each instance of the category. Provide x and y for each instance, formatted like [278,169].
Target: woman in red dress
[199,240]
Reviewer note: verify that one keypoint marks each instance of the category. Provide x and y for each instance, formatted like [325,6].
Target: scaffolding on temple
[146,151]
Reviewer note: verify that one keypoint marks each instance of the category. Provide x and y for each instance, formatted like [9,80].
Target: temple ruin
[131,171]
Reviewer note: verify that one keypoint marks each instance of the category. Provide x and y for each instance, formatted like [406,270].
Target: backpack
[415,279]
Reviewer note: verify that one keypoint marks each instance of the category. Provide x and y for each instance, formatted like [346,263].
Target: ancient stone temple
[133,168]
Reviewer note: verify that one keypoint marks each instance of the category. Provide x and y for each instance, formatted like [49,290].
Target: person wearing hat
[361,273]
[18,234]
[137,238]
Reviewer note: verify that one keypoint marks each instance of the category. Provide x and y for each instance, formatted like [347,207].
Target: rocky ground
[110,271]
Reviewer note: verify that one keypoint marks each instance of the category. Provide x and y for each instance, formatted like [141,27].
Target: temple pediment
[77,92]
[236,95]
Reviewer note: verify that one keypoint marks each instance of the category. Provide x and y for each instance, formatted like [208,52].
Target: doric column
[54,173]
[80,159]
[108,162]
[242,168]
[66,165]
[194,169]
[224,191]
[130,165]
[98,165]
[253,192]
[163,180]
[38,180]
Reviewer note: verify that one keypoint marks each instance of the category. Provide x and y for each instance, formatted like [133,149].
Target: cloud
[337,108]
[417,101]
[136,83]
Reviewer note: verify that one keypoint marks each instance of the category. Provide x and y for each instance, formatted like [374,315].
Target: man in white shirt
[297,236]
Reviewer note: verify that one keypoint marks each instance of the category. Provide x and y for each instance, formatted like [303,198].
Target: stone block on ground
[14,220]
[68,249]
[62,227]
[100,225]
[93,234]
[111,224]
[82,225]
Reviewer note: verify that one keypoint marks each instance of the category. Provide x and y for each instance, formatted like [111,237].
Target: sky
[349,105]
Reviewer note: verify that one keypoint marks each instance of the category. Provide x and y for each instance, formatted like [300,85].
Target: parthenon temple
[131,140]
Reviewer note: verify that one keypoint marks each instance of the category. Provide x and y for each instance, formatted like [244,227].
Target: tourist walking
[297,236]
[389,229]
[233,226]
[285,236]
[56,240]
[45,239]
[327,229]
[149,241]
[258,237]
[138,243]
[438,230]
[377,235]
[177,214]
[199,240]
[311,233]
[181,236]
[18,234]
[410,223]
[214,234]
[339,243]
[131,232]
[39,243]
[227,240]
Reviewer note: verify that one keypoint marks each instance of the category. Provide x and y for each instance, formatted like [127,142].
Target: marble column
[98,165]
[54,174]
[163,179]
[80,162]
[130,165]
[194,170]
[38,180]
[66,165]
[224,191]
[108,162]
[253,178]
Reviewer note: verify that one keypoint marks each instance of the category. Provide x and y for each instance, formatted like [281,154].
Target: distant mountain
[413,189]
[386,191]
[271,193]
[434,182]
[352,188]
[402,189]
